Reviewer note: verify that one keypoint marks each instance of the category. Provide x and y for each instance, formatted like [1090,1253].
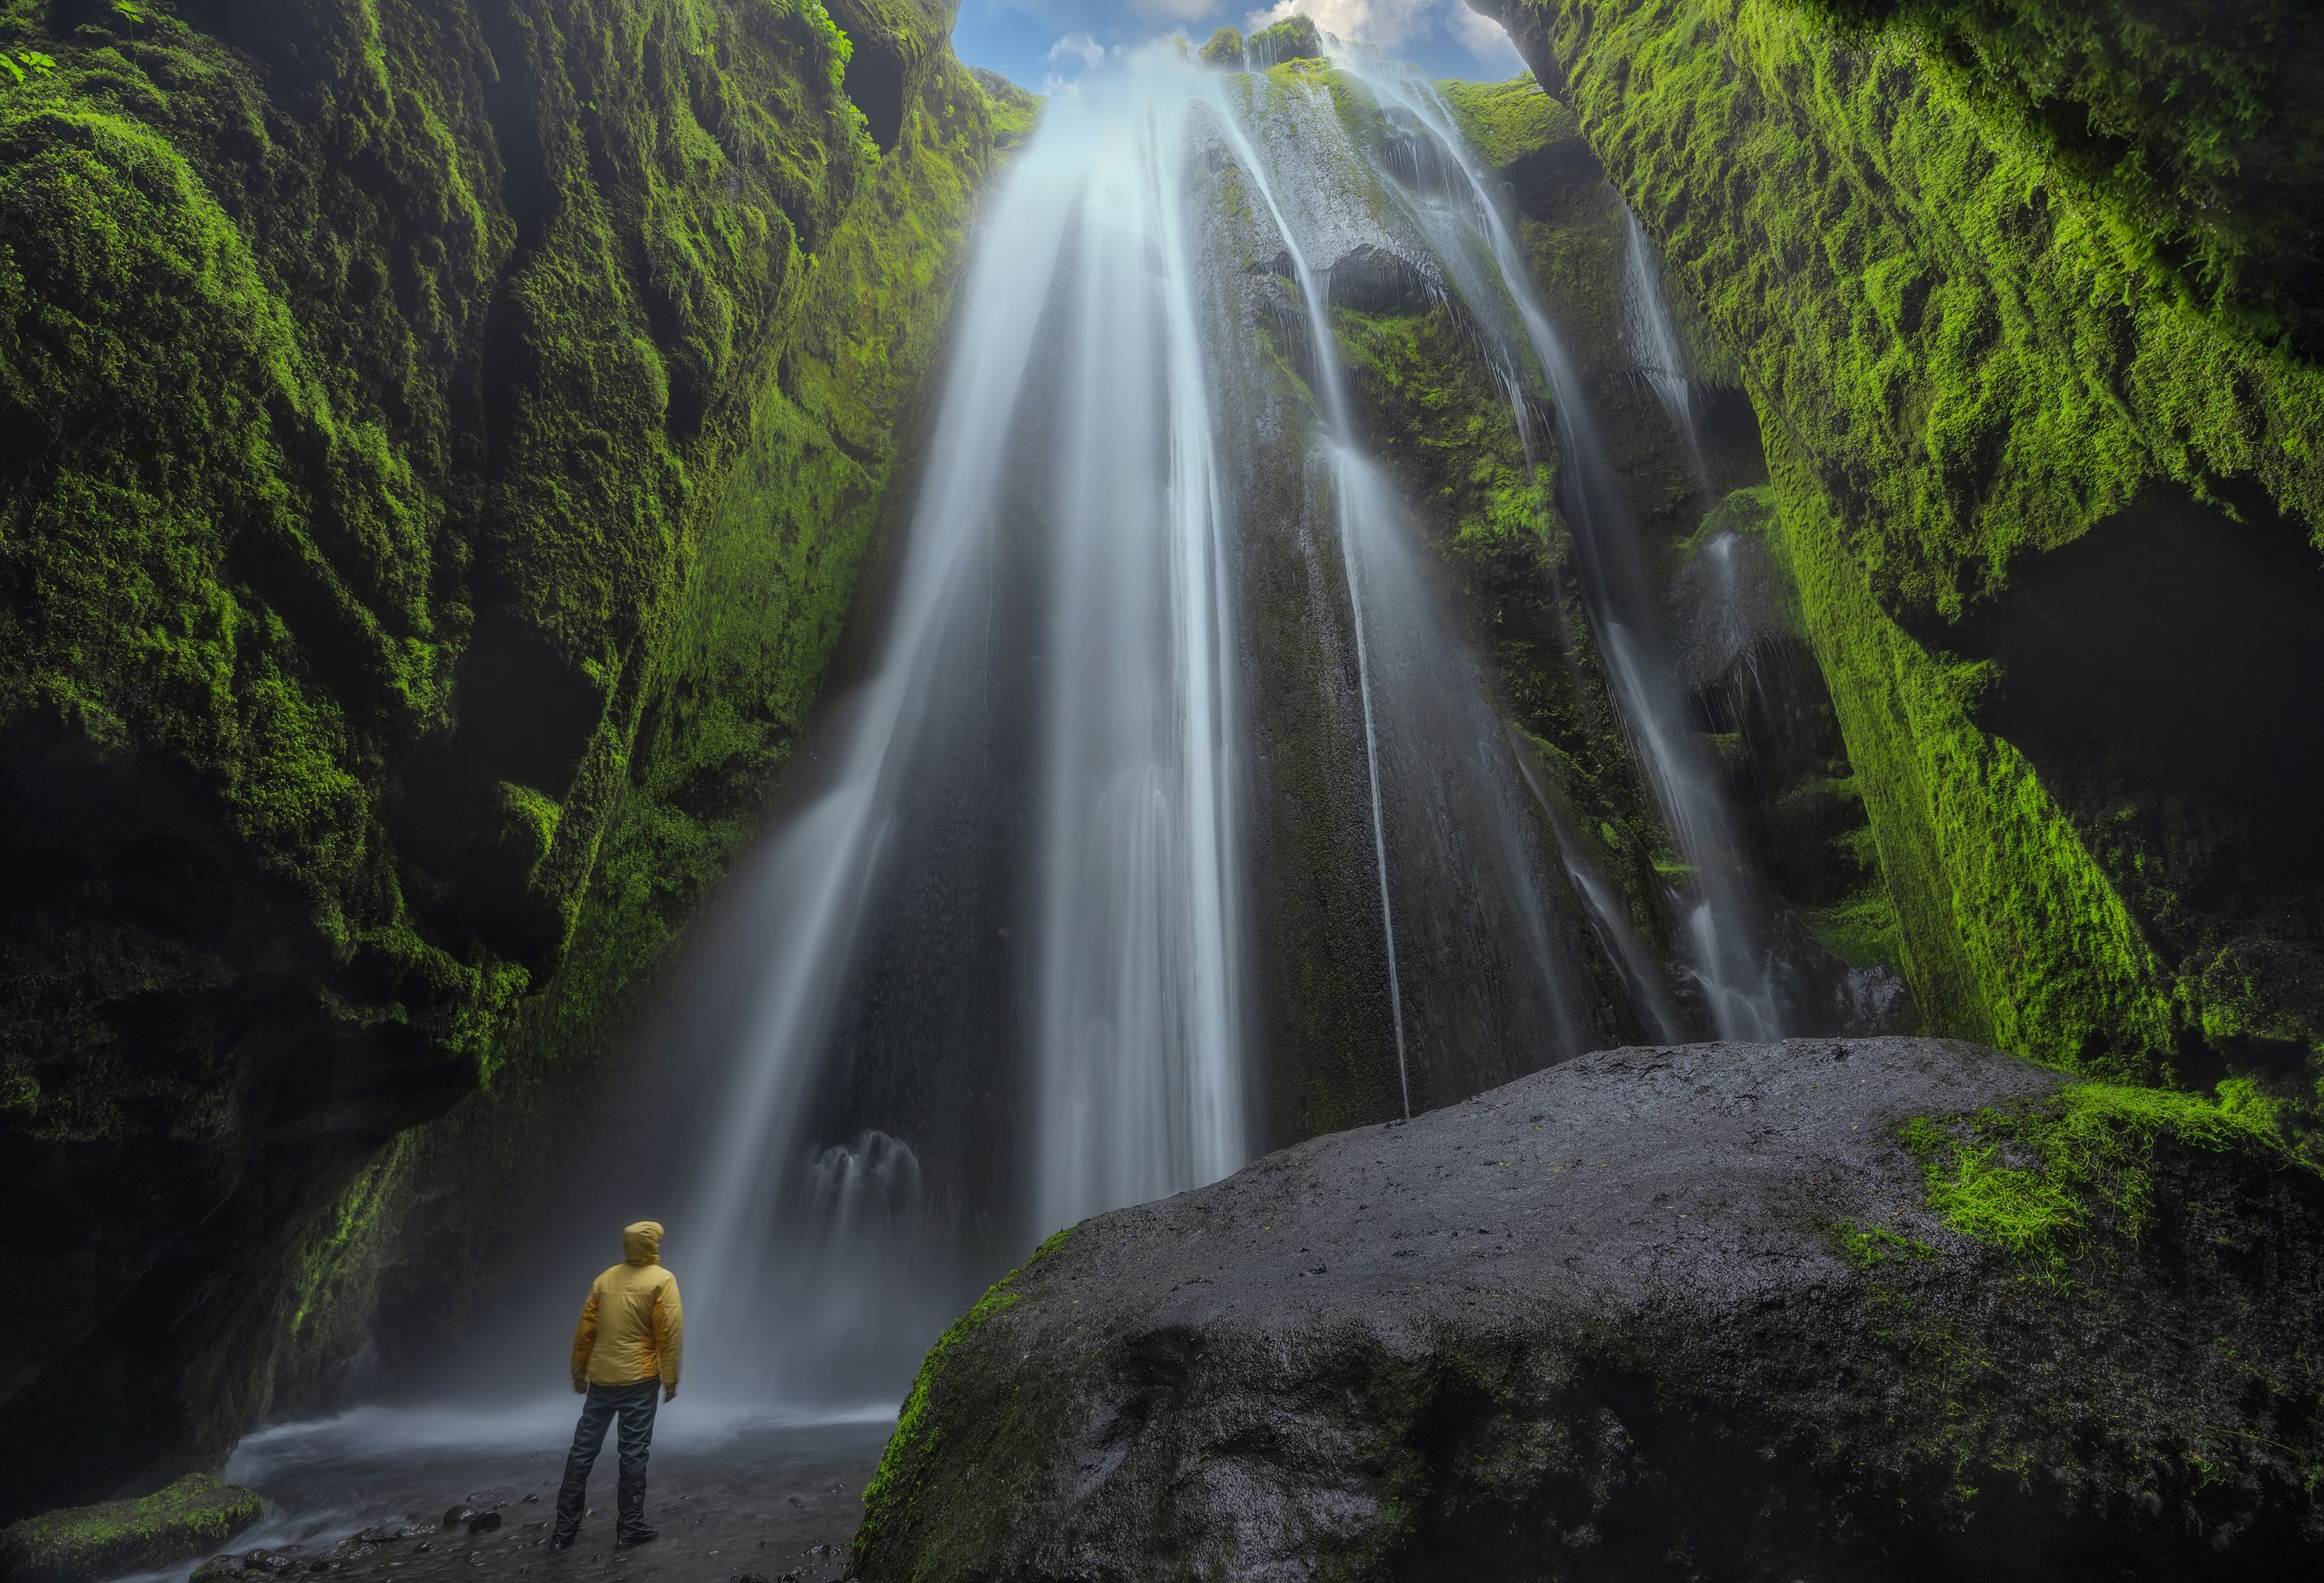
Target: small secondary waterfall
[1652,337]
[1725,934]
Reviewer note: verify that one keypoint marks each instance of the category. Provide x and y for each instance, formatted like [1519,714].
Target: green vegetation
[1433,414]
[1224,49]
[1868,1248]
[1861,927]
[83,1544]
[1970,367]
[256,516]
[1977,267]
[2060,1180]
[761,612]
[1294,38]
[2188,128]
[1443,423]
[2007,930]
[1505,122]
[431,504]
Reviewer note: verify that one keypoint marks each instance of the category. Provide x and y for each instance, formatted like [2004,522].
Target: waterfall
[1652,337]
[1362,502]
[1003,963]
[1077,348]
[1444,795]
[1727,950]
[1139,1089]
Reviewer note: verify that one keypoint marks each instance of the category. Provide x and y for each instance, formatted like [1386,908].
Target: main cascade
[1168,724]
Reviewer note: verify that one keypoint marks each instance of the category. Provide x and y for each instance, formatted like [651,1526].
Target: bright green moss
[1224,49]
[340,377]
[2185,126]
[1861,927]
[1435,414]
[85,1543]
[1957,365]
[1505,121]
[2056,1181]
[1458,430]
[1009,111]
[347,1236]
[773,576]
[1868,1248]
[1961,352]
[2007,930]
[255,508]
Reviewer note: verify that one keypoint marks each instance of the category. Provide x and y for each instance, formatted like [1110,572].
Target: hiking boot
[633,1528]
[562,1540]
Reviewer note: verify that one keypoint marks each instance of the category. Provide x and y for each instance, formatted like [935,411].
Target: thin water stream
[1727,950]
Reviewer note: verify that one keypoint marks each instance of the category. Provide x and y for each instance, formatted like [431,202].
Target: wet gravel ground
[773,1500]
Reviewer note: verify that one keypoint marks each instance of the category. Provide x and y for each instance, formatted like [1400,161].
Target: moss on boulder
[85,1544]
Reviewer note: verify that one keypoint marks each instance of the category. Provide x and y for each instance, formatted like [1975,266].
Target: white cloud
[1486,38]
[1052,86]
[1174,10]
[1078,47]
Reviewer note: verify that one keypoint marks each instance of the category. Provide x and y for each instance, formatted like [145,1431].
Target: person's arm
[670,1336]
[585,1342]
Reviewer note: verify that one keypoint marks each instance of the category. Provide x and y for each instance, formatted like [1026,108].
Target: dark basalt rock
[1654,1313]
[1372,279]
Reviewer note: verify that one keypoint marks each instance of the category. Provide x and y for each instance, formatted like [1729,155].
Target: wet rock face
[1654,1313]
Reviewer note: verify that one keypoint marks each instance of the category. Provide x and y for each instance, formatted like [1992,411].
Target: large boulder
[1814,1310]
[81,1545]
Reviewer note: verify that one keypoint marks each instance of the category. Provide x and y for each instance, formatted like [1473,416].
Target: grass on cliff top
[2053,1182]
[197,1513]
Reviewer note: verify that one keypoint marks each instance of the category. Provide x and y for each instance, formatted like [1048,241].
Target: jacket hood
[641,1243]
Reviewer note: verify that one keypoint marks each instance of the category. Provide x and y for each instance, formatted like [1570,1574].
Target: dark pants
[634,1404]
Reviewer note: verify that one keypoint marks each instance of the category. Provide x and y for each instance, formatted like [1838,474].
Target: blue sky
[1045,44]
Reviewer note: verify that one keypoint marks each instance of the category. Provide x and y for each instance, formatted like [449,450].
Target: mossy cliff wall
[448,1221]
[440,444]
[1996,285]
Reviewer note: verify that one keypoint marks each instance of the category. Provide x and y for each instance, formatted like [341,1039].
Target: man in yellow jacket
[625,1354]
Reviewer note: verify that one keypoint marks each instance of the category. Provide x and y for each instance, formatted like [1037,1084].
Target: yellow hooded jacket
[632,1327]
